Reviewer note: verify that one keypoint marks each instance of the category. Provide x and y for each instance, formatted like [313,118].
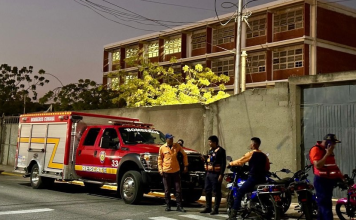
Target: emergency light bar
[126,122]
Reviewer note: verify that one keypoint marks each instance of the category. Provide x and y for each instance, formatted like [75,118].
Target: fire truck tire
[38,182]
[193,195]
[131,187]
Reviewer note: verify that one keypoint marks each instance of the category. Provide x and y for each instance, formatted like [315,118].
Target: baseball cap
[169,136]
[331,137]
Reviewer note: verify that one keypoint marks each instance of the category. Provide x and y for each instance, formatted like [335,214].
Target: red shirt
[330,169]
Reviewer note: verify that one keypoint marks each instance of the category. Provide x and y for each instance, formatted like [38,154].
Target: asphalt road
[68,201]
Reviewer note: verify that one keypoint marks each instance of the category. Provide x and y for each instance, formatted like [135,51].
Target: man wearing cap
[168,167]
[215,164]
[326,174]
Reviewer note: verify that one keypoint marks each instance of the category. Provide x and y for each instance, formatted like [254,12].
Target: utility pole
[238,50]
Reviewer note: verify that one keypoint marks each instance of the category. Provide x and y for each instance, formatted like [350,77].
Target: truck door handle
[95,152]
[79,152]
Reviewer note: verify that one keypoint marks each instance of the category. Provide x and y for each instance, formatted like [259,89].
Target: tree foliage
[19,86]
[164,86]
[84,95]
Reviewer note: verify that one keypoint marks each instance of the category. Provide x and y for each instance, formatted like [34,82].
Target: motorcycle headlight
[149,161]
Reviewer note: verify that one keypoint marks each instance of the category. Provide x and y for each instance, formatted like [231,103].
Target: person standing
[259,164]
[215,168]
[326,174]
[168,168]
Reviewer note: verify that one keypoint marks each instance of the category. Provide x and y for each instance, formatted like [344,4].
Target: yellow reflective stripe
[109,170]
[54,141]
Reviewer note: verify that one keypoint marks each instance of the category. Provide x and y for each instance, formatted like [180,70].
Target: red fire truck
[98,149]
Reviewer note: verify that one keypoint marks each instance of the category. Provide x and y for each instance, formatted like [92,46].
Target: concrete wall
[183,121]
[265,113]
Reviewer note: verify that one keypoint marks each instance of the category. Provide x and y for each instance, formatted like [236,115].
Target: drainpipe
[243,71]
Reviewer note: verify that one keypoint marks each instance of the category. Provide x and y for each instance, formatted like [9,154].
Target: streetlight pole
[238,50]
[56,78]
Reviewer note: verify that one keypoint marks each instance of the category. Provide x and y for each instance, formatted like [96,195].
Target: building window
[198,40]
[173,46]
[289,19]
[288,58]
[257,27]
[223,35]
[130,76]
[256,63]
[153,49]
[131,51]
[116,57]
[224,66]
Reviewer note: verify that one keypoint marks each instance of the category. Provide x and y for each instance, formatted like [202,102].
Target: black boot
[233,215]
[207,209]
[180,209]
[168,208]
[215,211]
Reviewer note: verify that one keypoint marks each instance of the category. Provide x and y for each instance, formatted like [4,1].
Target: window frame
[173,45]
[198,40]
[224,33]
[151,52]
[131,51]
[261,31]
[288,56]
[251,69]
[282,20]
[220,69]
[116,57]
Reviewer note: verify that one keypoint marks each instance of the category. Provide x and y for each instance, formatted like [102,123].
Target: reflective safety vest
[330,170]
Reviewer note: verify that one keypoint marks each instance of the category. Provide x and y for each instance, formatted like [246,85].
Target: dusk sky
[66,39]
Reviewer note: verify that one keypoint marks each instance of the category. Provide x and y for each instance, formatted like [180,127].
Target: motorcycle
[300,185]
[264,200]
[346,207]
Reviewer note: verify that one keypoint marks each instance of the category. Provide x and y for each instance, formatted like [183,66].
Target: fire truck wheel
[190,196]
[38,182]
[131,187]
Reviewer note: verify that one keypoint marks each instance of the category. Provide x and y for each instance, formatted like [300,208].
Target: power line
[183,6]
[112,19]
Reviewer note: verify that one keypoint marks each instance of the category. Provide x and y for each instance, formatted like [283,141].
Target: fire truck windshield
[141,136]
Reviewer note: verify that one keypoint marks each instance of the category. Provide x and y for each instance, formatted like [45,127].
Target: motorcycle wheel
[274,211]
[287,200]
[230,202]
[307,209]
[341,211]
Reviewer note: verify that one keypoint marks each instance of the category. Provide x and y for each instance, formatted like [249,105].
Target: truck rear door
[86,154]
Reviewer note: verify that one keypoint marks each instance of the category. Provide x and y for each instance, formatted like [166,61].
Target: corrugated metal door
[331,109]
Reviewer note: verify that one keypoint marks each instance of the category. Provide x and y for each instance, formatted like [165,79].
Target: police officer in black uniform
[215,163]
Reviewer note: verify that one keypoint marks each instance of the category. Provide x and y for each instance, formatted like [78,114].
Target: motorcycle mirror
[285,170]
[229,158]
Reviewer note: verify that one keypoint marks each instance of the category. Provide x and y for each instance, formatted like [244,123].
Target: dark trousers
[168,179]
[247,187]
[324,191]
[212,185]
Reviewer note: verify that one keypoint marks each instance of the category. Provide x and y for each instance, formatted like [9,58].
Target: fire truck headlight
[149,161]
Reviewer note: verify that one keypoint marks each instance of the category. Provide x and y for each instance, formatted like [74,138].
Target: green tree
[164,86]
[84,95]
[19,86]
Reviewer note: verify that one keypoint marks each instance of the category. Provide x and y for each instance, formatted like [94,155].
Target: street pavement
[73,201]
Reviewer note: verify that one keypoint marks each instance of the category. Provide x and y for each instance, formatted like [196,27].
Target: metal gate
[8,139]
[330,109]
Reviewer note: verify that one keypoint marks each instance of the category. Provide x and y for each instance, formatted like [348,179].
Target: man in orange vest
[169,169]
[326,174]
